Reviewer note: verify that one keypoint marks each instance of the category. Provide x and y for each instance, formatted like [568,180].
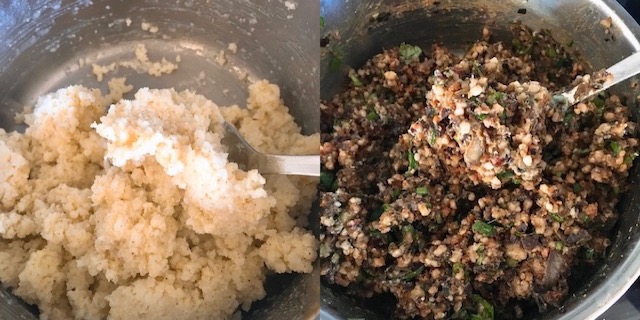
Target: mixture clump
[137,214]
[460,187]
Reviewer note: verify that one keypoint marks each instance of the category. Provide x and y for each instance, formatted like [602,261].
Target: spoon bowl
[591,85]
[247,158]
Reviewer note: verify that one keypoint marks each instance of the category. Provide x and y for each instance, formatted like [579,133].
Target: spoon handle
[621,71]
[303,165]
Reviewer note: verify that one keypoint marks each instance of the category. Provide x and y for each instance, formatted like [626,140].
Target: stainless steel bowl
[366,27]
[51,44]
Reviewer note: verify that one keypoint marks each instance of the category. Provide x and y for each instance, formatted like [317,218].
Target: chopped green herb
[521,48]
[438,218]
[324,249]
[512,262]
[504,175]
[481,116]
[412,274]
[355,80]
[560,102]
[503,116]
[433,135]
[409,52]
[321,22]
[386,207]
[628,159]
[326,179]
[375,214]
[339,122]
[422,191]
[409,229]
[568,116]
[476,70]
[375,233]
[412,160]
[615,147]
[485,309]
[372,116]
[457,267]
[481,255]
[494,97]
[335,63]
[484,228]
[599,102]
[551,53]
[336,59]
[559,245]
[582,152]
[589,253]
[556,217]
[577,187]
[517,44]
[564,62]
[396,193]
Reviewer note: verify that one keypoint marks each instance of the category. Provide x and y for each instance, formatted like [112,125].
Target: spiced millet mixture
[458,184]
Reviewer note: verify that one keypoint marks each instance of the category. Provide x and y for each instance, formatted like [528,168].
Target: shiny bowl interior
[366,27]
[51,44]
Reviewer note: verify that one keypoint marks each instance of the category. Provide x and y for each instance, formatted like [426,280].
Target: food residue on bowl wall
[141,64]
[150,27]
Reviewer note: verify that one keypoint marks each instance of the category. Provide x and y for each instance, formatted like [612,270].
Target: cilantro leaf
[372,116]
[422,191]
[615,147]
[486,309]
[326,179]
[409,52]
[483,228]
[412,160]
